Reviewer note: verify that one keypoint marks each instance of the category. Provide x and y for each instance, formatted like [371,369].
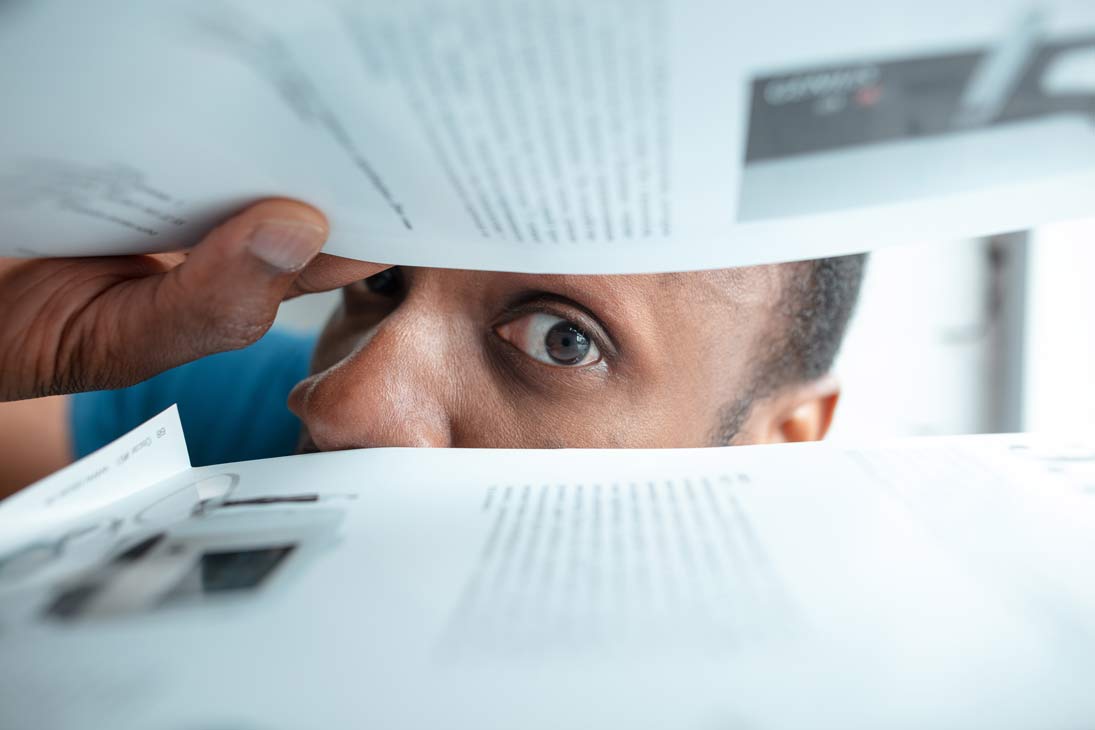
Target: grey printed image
[201,541]
[877,131]
[206,557]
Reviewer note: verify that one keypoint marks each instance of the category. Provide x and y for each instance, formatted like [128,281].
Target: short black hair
[816,301]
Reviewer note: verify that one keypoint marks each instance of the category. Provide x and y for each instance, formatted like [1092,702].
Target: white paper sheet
[150,453]
[560,136]
[938,582]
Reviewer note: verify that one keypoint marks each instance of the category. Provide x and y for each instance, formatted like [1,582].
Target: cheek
[673,412]
[500,411]
[564,421]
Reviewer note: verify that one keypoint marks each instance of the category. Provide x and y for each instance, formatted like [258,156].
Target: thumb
[226,293]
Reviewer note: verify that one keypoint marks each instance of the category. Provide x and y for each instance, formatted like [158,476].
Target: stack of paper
[546,135]
[927,583]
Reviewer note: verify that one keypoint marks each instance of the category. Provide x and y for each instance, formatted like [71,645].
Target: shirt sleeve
[232,405]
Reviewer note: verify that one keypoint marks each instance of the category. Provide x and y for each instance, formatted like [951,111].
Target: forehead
[747,289]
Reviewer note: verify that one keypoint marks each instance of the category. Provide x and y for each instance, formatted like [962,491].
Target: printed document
[556,136]
[925,583]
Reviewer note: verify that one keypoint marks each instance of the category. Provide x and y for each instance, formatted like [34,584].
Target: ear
[800,412]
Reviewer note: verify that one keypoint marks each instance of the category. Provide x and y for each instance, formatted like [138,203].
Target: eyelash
[555,309]
[543,304]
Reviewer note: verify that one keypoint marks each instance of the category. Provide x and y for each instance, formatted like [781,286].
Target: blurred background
[982,336]
[974,337]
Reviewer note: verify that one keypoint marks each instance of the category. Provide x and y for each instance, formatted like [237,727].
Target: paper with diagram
[759,586]
[559,136]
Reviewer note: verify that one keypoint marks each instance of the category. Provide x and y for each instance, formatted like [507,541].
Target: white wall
[918,347]
[1059,383]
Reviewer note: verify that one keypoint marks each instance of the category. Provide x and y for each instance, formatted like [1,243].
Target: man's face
[437,357]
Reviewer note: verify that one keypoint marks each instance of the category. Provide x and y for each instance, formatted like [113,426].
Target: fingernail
[287,245]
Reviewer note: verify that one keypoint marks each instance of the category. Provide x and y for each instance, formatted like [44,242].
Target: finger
[226,292]
[328,272]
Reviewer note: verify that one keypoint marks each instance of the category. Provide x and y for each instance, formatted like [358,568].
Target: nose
[391,390]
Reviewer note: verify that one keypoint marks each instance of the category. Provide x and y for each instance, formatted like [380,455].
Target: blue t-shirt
[232,405]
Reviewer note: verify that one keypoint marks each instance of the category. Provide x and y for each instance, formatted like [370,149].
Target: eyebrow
[719,286]
[536,295]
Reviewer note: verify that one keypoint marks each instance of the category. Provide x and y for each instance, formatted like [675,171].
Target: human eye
[388,283]
[377,295]
[550,339]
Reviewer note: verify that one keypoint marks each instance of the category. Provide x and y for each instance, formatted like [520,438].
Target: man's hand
[69,325]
